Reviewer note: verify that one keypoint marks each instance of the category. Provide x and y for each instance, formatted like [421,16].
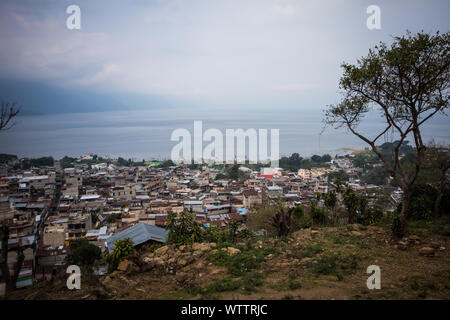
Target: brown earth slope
[327,263]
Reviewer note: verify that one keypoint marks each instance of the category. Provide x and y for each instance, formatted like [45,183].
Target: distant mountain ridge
[37,98]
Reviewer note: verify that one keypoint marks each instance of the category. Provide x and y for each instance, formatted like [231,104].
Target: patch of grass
[293,283]
[423,285]
[417,224]
[326,265]
[248,282]
[241,263]
[226,284]
[338,240]
[332,264]
[252,280]
[277,286]
[310,252]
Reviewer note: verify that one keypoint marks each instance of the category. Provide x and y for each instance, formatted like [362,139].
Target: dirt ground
[327,263]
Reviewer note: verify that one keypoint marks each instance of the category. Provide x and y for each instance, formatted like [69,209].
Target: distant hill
[6,158]
[40,98]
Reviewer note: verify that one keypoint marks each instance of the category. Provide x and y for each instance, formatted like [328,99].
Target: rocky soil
[326,263]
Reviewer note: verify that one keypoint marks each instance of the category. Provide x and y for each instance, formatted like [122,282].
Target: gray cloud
[248,52]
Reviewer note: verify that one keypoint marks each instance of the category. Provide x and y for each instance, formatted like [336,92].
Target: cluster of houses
[49,207]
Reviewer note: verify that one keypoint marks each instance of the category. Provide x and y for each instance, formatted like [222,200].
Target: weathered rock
[268,257]
[157,262]
[232,251]
[184,260]
[306,260]
[181,277]
[434,245]
[107,281]
[413,240]
[215,271]
[427,251]
[197,254]
[402,245]
[162,251]
[125,265]
[201,247]
[315,232]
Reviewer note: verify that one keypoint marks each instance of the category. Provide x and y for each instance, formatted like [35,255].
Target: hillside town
[48,207]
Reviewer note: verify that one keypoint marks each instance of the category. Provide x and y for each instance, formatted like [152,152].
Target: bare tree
[8,112]
[407,83]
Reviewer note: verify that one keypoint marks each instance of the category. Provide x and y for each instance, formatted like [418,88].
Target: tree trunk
[403,214]
[6,277]
[437,202]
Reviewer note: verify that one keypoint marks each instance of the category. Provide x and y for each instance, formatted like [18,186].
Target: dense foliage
[83,253]
[183,229]
[122,248]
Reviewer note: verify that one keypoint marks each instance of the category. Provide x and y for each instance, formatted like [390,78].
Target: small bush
[248,282]
[83,253]
[310,252]
[183,229]
[122,248]
[241,263]
[334,265]
[326,265]
[293,284]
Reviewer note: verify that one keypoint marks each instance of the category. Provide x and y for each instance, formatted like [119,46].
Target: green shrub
[326,265]
[241,263]
[122,248]
[252,280]
[335,265]
[310,252]
[215,234]
[183,229]
[248,282]
[319,216]
[83,253]
[293,284]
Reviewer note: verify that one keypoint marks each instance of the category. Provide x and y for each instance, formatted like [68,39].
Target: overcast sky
[205,53]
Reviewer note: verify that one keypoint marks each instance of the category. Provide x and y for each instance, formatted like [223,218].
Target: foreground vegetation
[312,263]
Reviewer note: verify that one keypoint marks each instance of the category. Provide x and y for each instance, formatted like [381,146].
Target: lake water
[146,134]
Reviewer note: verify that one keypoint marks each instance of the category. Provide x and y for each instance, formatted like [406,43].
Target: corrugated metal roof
[139,233]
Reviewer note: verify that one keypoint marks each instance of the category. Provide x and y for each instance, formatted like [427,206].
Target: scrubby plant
[83,253]
[183,229]
[122,248]
[319,216]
